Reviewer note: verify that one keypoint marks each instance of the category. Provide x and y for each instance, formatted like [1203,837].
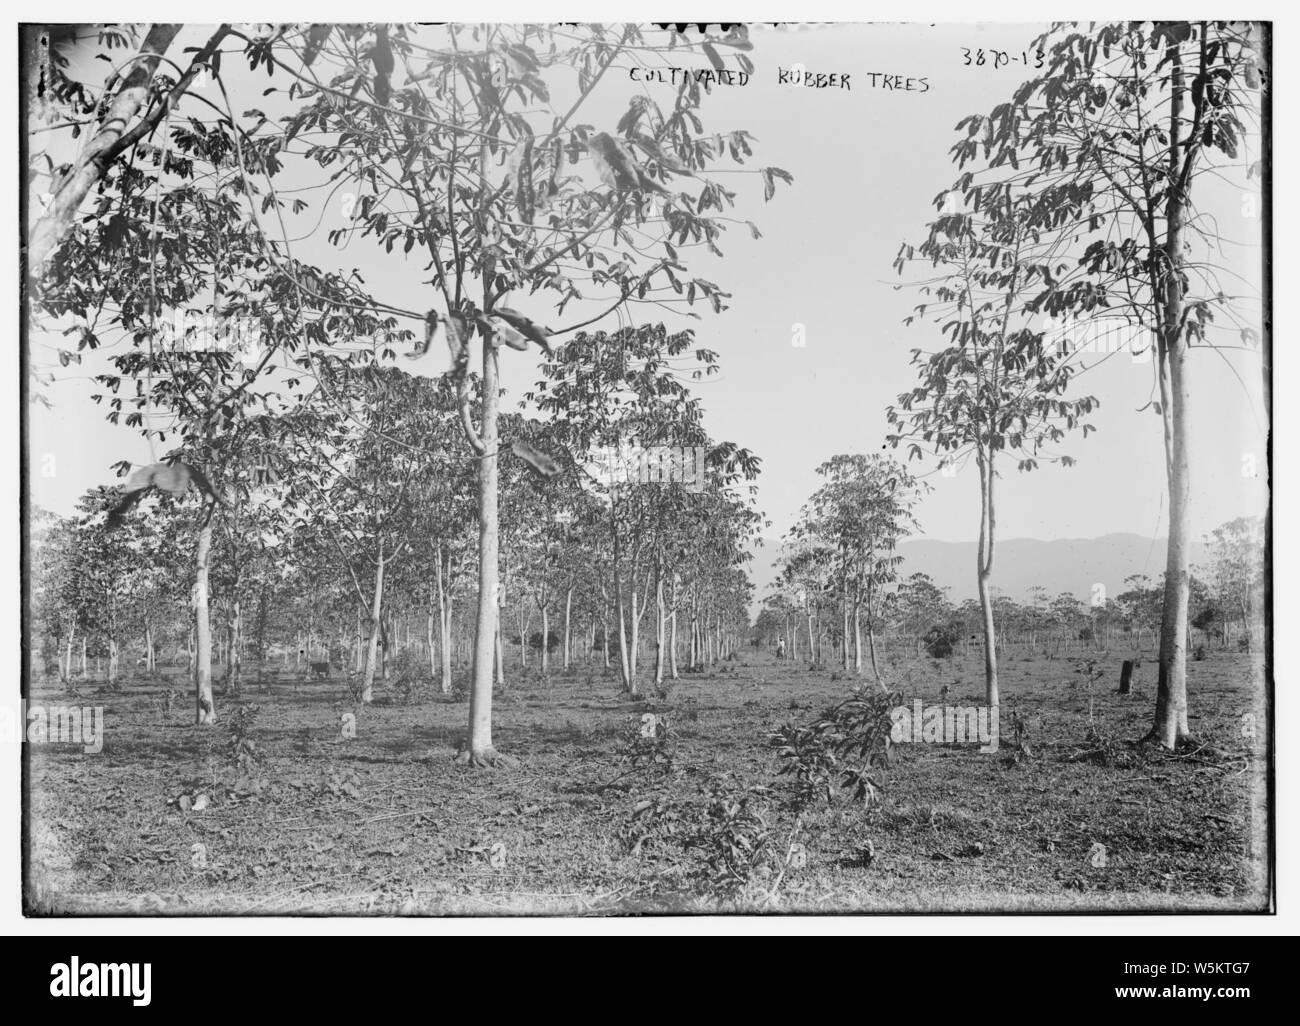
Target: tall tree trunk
[871,649]
[693,643]
[661,625]
[568,612]
[672,629]
[522,621]
[65,660]
[376,626]
[626,666]
[871,630]
[604,619]
[478,745]
[444,618]
[234,663]
[857,637]
[1170,724]
[262,611]
[445,621]
[205,713]
[428,637]
[985,572]
[546,636]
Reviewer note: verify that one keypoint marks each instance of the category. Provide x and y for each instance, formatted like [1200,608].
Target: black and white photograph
[626,469]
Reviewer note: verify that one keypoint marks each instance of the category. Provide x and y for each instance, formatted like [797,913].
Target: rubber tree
[998,384]
[860,514]
[1110,151]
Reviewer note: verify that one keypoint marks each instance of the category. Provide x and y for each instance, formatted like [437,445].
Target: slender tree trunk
[661,626]
[261,634]
[624,655]
[568,611]
[984,574]
[857,637]
[546,635]
[376,627]
[234,664]
[522,621]
[605,630]
[444,622]
[871,649]
[478,748]
[428,640]
[693,643]
[1170,724]
[672,630]
[205,712]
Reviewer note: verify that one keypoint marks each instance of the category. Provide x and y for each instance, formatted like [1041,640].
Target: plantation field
[291,816]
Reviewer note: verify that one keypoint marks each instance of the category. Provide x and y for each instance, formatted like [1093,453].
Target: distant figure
[780,648]
[320,669]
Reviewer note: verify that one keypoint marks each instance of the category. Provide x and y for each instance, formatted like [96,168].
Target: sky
[867,162]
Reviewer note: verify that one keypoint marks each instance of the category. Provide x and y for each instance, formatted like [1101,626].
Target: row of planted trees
[212,172]
[1087,195]
[346,537]
[916,618]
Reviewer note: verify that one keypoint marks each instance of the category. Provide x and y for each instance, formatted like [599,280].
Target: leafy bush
[552,641]
[735,841]
[241,748]
[940,640]
[842,751]
[721,841]
[647,743]
[408,675]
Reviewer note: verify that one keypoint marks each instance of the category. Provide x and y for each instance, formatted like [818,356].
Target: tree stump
[1126,676]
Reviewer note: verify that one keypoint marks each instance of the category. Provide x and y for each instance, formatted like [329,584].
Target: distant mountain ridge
[1062,565]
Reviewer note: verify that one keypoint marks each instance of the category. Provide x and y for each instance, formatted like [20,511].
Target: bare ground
[288,816]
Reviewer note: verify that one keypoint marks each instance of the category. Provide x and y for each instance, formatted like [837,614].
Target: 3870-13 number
[1001,58]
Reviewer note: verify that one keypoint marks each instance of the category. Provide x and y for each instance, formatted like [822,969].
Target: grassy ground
[293,818]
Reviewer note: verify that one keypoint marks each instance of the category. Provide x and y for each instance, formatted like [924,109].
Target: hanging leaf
[521,173]
[713,57]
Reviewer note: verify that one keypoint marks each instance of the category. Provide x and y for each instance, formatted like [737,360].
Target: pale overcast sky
[867,162]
